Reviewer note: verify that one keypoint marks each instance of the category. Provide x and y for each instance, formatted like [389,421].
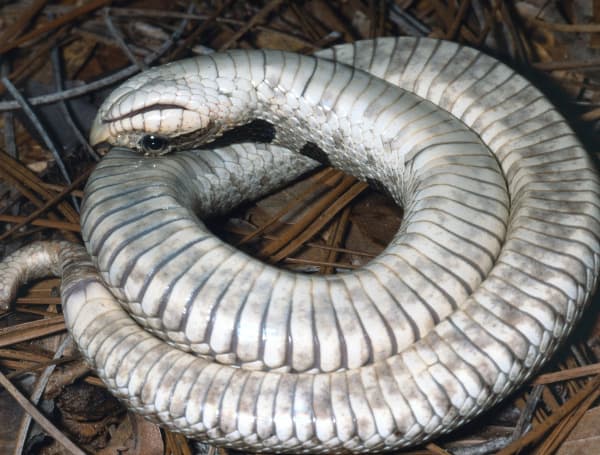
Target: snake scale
[493,264]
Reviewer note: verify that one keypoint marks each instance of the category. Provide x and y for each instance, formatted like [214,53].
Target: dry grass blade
[435,449]
[17,354]
[29,12]
[176,444]
[312,213]
[458,20]
[315,209]
[39,417]
[40,365]
[57,198]
[59,188]
[11,168]
[322,177]
[260,15]
[198,31]
[62,20]
[327,15]
[31,330]
[36,394]
[565,65]
[243,231]
[571,373]
[565,28]
[61,225]
[592,388]
[320,222]
[337,237]
[35,59]
[322,264]
[562,430]
[39,128]
[38,301]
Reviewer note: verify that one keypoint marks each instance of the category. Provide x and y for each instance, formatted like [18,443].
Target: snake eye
[154,144]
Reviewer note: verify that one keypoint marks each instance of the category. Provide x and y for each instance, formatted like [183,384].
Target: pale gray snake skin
[494,262]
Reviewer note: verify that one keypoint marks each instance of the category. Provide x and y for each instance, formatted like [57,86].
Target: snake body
[494,262]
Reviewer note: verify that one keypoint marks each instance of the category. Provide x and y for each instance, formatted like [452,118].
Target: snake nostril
[153,144]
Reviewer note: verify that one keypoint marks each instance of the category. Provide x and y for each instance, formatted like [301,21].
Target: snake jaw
[99,132]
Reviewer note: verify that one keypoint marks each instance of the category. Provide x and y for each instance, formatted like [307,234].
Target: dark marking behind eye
[256,131]
[315,152]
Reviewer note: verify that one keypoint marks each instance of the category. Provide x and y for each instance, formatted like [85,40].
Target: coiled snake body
[493,264]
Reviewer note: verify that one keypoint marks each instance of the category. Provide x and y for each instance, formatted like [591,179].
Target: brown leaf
[135,436]
[584,438]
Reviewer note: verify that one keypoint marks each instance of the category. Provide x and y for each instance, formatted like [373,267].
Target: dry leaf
[584,439]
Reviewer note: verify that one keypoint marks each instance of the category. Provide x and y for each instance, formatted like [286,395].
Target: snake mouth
[99,133]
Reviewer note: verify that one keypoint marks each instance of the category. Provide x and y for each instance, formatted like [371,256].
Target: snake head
[170,107]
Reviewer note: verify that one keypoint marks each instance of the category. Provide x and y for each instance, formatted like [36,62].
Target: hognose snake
[476,290]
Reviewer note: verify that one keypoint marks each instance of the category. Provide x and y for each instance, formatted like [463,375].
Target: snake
[493,264]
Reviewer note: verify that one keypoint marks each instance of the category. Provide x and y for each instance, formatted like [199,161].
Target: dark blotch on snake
[377,185]
[256,131]
[315,152]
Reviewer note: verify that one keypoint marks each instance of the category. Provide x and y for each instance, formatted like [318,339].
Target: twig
[341,185]
[58,82]
[23,178]
[8,125]
[308,27]
[559,434]
[309,244]
[527,413]
[591,388]
[321,177]
[36,57]
[39,417]
[28,13]
[65,376]
[36,394]
[61,225]
[58,22]
[337,235]
[321,221]
[324,264]
[37,301]
[483,448]
[39,128]
[40,365]
[59,188]
[435,449]
[571,373]
[564,65]
[458,20]
[187,42]
[47,205]
[565,28]
[31,330]
[508,12]
[407,21]
[101,83]
[442,13]
[73,92]
[264,11]
[120,41]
